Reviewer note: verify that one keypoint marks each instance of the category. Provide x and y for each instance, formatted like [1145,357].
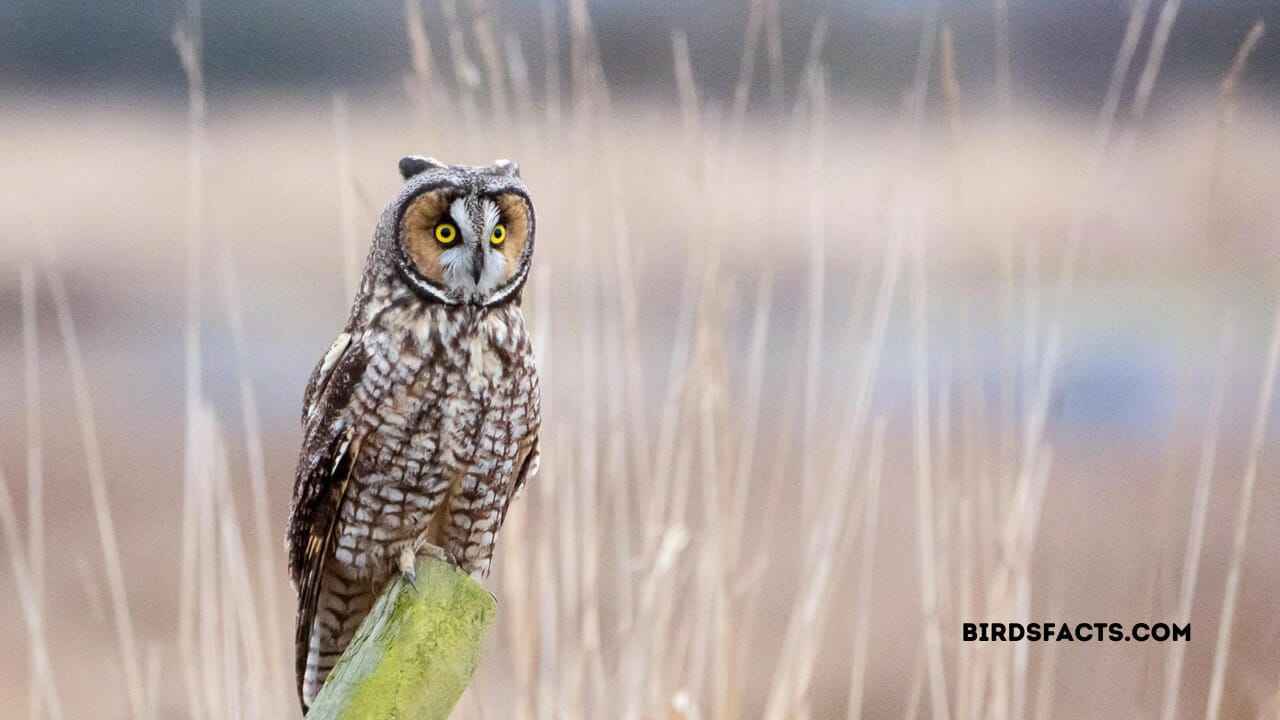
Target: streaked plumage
[421,421]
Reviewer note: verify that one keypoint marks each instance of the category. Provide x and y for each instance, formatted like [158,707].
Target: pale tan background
[693,547]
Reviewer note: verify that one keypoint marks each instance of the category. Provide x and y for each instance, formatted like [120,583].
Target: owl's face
[465,234]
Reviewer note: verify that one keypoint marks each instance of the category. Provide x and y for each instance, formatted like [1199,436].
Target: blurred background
[856,322]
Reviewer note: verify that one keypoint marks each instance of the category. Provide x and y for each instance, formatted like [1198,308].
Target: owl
[420,423]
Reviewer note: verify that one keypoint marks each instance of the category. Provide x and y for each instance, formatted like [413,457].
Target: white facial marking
[495,262]
[456,262]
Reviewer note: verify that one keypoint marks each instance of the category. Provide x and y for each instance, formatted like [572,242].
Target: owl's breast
[445,396]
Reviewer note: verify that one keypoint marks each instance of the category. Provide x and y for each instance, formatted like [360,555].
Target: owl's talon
[407,561]
[450,558]
[433,551]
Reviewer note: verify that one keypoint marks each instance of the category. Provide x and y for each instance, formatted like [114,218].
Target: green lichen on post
[414,654]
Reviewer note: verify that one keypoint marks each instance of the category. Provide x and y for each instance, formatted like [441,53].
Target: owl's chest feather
[472,353]
[432,368]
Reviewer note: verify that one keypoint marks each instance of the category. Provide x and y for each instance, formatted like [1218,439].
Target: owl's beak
[477,266]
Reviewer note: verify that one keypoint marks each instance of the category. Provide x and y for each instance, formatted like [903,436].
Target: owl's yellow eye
[499,234]
[446,233]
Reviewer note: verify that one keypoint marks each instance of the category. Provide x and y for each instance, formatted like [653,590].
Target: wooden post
[414,654]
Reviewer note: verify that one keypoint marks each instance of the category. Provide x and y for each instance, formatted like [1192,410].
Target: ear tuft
[507,167]
[411,165]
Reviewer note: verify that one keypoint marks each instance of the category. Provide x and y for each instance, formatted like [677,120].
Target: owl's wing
[328,393]
[323,373]
[328,454]
[530,449]
[528,468]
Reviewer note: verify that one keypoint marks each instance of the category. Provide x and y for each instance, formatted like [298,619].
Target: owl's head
[463,235]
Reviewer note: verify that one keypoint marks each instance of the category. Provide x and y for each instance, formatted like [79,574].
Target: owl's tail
[340,609]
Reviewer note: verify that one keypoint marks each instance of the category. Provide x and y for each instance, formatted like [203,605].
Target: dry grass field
[821,383]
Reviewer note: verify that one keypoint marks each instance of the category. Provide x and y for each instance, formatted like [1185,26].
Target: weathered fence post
[414,654]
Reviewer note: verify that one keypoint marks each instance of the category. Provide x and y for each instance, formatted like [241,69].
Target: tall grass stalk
[862,623]
[28,569]
[421,84]
[1004,61]
[264,537]
[351,245]
[1258,438]
[35,462]
[96,476]
[1195,534]
[747,61]
[815,311]
[35,447]
[1228,91]
[1119,73]
[486,40]
[43,681]
[187,38]
[1150,71]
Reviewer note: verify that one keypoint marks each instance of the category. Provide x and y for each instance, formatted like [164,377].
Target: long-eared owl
[420,424]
